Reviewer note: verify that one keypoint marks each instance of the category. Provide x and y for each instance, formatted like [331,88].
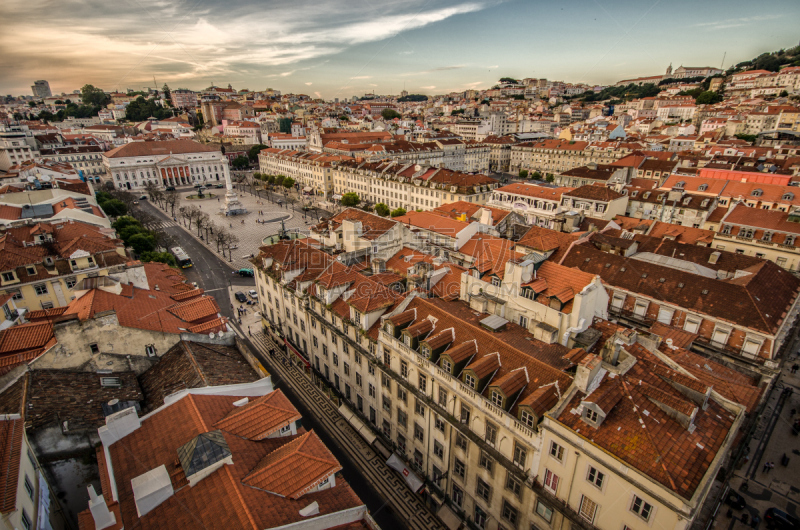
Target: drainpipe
[570,331]
[569,491]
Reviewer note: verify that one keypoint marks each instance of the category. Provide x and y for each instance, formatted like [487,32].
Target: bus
[181,257]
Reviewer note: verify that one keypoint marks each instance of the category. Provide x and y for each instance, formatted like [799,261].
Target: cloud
[432,70]
[362,77]
[318,95]
[428,87]
[372,84]
[734,22]
[492,67]
[309,84]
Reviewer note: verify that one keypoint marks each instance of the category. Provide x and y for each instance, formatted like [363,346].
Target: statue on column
[232,205]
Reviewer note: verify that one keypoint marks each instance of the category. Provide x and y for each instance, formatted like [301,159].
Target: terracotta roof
[373,226]
[294,468]
[433,222]
[162,148]
[11,432]
[532,190]
[261,417]
[25,337]
[594,193]
[545,240]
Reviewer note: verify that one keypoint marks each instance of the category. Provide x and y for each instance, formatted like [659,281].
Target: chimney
[587,371]
[119,425]
[714,257]
[615,356]
[151,489]
[103,518]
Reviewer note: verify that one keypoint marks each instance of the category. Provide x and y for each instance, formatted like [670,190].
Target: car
[735,501]
[776,518]
[220,185]
[135,203]
[169,188]
[198,185]
[240,297]
[246,272]
[253,294]
[143,198]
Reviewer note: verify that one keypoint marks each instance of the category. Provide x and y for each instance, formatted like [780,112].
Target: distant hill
[769,61]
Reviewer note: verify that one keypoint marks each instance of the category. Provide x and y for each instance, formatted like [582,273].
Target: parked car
[246,272]
[735,501]
[220,185]
[253,294]
[198,185]
[776,518]
[143,198]
[240,297]
[169,188]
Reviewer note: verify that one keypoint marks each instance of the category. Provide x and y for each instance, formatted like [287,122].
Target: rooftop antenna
[723,60]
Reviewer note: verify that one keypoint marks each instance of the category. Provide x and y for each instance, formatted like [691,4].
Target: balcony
[627,314]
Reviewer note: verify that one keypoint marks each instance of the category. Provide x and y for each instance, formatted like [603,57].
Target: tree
[171,200]
[94,97]
[253,153]
[390,114]
[750,138]
[783,94]
[398,212]
[550,177]
[113,207]
[350,199]
[279,180]
[456,112]
[344,117]
[536,175]
[708,98]
[523,173]
[767,61]
[167,94]
[123,222]
[288,183]
[159,257]
[412,97]
[230,241]
[141,109]
[241,162]
[33,104]
[142,242]
[382,210]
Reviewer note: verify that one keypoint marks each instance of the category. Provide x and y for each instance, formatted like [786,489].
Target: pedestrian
[231,224]
[765,468]
[249,332]
[795,366]
[771,466]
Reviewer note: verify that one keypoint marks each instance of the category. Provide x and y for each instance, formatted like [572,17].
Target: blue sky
[342,48]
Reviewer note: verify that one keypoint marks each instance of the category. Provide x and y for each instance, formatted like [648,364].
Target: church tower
[669,70]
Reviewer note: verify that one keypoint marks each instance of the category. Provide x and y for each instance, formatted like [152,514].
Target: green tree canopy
[398,212]
[94,97]
[140,109]
[413,97]
[509,80]
[167,93]
[160,257]
[523,173]
[253,153]
[241,162]
[708,97]
[288,182]
[390,114]
[350,199]
[279,180]
[142,242]
[382,210]
[113,207]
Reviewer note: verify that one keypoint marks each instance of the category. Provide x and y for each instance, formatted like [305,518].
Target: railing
[631,315]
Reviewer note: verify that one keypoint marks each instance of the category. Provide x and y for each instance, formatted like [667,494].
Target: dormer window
[757,193]
[767,236]
[686,201]
[496,282]
[497,398]
[726,229]
[527,418]
[31,270]
[591,415]
[702,187]
[788,197]
[447,366]
[680,184]
[469,380]
[789,240]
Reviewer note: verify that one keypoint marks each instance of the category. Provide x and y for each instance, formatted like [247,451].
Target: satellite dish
[31,179]
[113,402]
[211,335]
[44,178]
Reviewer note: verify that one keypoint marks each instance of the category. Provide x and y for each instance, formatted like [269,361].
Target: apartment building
[603,175]
[183,98]
[499,152]
[313,171]
[449,153]
[248,131]
[760,195]
[596,202]
[674,206]
[165,163]
[16,145]
[408,186]
[88,159]
[557,156]
[466,401]
[42,263]
[539,205]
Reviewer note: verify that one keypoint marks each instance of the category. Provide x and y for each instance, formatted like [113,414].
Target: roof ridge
[239,496]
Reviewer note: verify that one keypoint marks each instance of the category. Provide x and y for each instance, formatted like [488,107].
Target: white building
[167,163]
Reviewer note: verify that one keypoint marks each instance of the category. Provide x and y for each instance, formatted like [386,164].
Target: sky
[345,48]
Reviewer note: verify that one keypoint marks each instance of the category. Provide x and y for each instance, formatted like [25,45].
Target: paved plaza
[263,219]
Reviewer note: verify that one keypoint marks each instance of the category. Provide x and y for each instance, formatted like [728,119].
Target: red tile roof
[11,432]
[261,417]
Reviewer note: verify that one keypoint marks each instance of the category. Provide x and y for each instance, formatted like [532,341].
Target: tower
[669,70]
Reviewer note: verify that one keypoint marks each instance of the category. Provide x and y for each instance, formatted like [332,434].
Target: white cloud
[734,22]
[362,77]
[428,87]
[309,84]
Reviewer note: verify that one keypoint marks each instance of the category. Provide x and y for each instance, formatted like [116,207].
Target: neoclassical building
[167,163]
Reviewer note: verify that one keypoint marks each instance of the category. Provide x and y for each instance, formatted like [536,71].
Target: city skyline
[340,50]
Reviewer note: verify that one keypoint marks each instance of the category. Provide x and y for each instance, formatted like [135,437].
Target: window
[497,398]
[465,414]
[442,397]
[387,358]
[387,429]
[419,433]
[404,369]
[150,350]
[438,450]
[446,366]
[357,359]
[527,418]
[28,487]
[480,515]
[335,360]
[461,441]
[438,423]
[459,469]
[751,347]
[8,276]
[401,443]
[590,415]
[402,418]
[523,321]
[551,481]
[15,295]
[387,405]
[509,513]
[691,325]
[94,348]
[513,484]
[483,490]
[588,508]
[458,495]
[469,380]
[358,379]
[596,477]
[371,390]
[491,434]
[486,462]
[544,511]
[496,281]
[26,520]
[324,350]
[665,315]
[402,395]
[386,382]
[40,289]
[641,508]
[520,455]
[346,369]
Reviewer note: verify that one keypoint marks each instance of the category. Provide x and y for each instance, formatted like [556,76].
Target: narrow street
[384,492]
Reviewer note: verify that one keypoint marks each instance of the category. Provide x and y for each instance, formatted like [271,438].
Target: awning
[336,197]
[308,188]
[357,424]
[297,353]
[448,517]
[412,479]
